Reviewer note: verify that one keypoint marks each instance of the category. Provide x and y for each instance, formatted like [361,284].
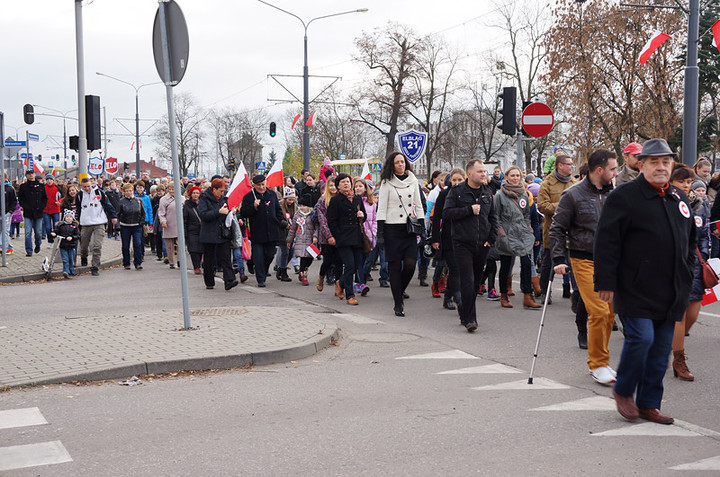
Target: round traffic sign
[537,119]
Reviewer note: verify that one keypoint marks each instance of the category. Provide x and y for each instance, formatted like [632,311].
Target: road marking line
[713,463]
[30,416]
[32,455]
[714,315]
[453,354]
[3,327]
[254,290]
[695,428]
[649,429]
[595,403]
[360,320]
[538,384]
[487,369]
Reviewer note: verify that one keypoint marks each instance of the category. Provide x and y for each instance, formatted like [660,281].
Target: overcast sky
[234,45]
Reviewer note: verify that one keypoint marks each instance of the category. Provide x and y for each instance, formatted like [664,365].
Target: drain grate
[217,311]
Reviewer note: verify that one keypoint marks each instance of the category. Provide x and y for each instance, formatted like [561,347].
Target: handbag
[366,242]
[225,232]
[246,252]
[146,230]
[710,278]
[412,224]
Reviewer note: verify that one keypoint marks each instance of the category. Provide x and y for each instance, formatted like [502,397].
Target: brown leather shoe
[529,302]
[680,369]
[505,301]
[338,290]
[510,291]
[536,286]
[654,415]
[352,301]
[320,283]
[626,406]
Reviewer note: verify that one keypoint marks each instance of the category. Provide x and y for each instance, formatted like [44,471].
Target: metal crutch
[542,323]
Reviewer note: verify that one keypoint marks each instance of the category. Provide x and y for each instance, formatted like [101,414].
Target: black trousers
[470,261]
[263,255]
[350,259]
[223,256]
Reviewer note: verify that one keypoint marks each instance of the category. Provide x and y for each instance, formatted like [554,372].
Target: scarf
[660,190]
[562,178]
[513,191]
[349,194]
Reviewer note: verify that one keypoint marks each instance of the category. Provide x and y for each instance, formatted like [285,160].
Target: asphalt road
[356,408]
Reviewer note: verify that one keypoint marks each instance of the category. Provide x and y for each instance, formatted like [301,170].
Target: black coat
[65,230]
[440,231]
[467,227]
[208,209]
[32,198]
[645,251]
[191,220]
[10,199]
[264,221]
[345,226]
[131,211]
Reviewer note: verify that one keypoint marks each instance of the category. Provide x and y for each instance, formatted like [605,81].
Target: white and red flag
[716,34]
[295,121]
[365,174]
[37,167]
[313,250]
[311,119]
[275,176]
[239,187]
[657,39]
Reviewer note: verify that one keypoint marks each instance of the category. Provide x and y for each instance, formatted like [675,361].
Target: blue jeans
[30,225]
[371,260]
[644,360]
[283,256]
[49,221]
[262,255]
[68,259]
[238,259]
[134,233]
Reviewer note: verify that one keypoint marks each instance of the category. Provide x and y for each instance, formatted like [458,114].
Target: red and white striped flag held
[653,44]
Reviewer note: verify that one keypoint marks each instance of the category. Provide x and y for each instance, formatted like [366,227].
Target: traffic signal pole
[692,75]
[80,59]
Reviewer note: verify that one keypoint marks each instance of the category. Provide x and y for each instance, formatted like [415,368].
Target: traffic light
[39,157]
[525,105]
[92,125]
[74,143]
[126,166]
[273,130]
[507,110]
[29,114]
[72,158]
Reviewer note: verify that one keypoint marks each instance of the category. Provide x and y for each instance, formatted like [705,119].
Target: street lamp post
[137,116]
[306,105]
[64,116]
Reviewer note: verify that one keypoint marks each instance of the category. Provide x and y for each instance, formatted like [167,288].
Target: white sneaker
[613,372]
[603,375]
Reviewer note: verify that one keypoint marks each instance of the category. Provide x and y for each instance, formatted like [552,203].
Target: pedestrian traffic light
[273,128]
[74,143]
[29,114]
[507,110]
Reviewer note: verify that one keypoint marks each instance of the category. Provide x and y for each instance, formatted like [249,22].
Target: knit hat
[697,184]
[49,177]
[306,199]
[289,193]
[327,162]
[194,188]
[69,212]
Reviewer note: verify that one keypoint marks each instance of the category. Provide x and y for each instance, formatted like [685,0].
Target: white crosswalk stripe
[487,369]
[29,455]
[522,385]
[595,403]
[713,463]
[453,354]
[648,429]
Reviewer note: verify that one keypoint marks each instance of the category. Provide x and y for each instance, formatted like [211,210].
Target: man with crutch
[572,233]
[644,256]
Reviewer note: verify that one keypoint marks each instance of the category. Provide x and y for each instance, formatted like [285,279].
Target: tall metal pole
[519,155]
[182,259]
[64,149]
[80,58]
[5,224]
[306,108]
[137,133]
[692,74]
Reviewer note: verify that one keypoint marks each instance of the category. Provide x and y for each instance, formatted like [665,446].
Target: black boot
[279,273]
[447,303]
[574,298]
[284,275]
[566,290]
[582,335]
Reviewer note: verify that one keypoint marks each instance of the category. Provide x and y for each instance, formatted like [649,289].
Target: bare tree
[189,122]
[238,135]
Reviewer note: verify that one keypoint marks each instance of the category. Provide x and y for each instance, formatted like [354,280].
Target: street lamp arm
[289,13]
[359,10]
[118,79]
[148,84]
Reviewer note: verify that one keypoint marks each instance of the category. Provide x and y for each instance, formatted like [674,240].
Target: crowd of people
[599,227]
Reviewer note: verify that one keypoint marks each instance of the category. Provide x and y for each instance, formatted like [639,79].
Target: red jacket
[53,198]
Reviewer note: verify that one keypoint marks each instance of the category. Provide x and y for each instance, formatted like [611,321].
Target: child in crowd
[15,220]
[289,209]
[301,235]
[68,231]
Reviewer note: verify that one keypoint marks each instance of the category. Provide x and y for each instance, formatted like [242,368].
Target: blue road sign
[24,155]
[412,144]
[15,144]
[343,156]
[33,137]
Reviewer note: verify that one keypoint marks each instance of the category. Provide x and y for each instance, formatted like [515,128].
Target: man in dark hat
[644,255]
[33,199]
[262,209]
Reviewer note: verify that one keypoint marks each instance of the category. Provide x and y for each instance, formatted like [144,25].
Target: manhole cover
[217,311]
[384,337]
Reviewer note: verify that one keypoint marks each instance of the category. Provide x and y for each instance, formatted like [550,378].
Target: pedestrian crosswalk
[590,404]
[33,454]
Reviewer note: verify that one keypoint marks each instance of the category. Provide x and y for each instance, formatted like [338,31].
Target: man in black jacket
[469,207]
[262,209]
[32,198]
[644,255]
[574,223]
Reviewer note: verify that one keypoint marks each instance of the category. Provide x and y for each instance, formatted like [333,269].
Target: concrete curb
[56,274]
[329,334]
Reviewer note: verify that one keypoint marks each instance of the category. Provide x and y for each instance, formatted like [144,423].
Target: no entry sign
[537,119]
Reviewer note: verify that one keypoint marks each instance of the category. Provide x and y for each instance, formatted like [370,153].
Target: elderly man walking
[644,255]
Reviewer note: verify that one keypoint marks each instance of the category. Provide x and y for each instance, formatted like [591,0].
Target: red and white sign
[522,203]
[537,119]
[95,166]
[111,165]
[684,210]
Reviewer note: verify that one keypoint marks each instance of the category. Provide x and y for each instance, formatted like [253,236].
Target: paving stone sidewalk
[25,269]
[120,347]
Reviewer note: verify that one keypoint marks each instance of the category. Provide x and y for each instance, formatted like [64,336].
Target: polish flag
[275,176]
[38,167]
[653,44]
[313,250]
[365,174]
[716,34]
[295,121]
[239,187]
[311,119]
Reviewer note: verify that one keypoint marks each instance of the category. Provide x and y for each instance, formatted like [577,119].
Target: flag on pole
[365,174]
[275,176]
[239,187]
[716,34]
[311,119]
[653,44]
[38,168]
[295,121]
[313,250]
